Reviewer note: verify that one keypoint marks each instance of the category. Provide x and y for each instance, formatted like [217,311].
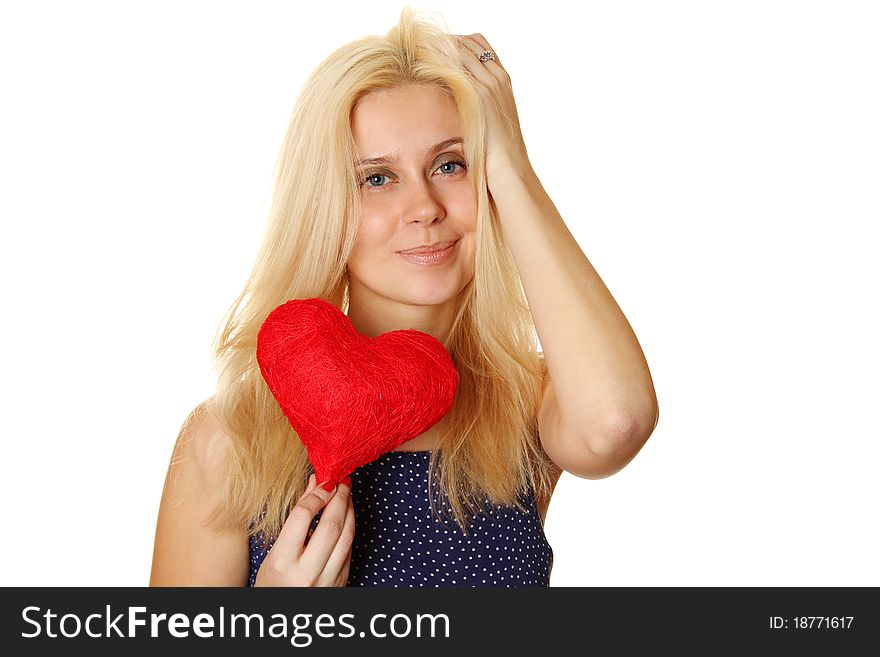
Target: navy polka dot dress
[399,542]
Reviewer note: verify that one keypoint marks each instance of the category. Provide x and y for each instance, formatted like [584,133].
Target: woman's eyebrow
[392,157]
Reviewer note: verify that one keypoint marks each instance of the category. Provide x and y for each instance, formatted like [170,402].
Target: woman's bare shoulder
[186,551]
[204,443]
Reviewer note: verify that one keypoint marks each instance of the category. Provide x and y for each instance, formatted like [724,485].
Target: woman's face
[421,196]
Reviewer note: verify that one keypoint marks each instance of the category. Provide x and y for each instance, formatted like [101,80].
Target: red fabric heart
[349,397]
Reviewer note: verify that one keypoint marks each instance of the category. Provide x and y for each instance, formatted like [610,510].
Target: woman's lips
[432,257]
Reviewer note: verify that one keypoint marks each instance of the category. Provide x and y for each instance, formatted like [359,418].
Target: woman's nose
[425,203]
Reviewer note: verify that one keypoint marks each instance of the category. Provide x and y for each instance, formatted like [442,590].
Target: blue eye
[451,162]
[371,175]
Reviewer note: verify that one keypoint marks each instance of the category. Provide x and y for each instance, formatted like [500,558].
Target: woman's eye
[446,168]
[452,163]
[371,177]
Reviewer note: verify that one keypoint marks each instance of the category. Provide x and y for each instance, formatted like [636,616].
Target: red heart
[349,397]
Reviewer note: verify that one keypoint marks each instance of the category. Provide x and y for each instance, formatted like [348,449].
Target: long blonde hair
[488,448]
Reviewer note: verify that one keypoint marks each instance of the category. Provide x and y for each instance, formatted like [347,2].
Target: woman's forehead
[403,121]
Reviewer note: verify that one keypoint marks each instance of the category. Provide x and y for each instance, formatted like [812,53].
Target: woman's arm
[186,552]
[599,404]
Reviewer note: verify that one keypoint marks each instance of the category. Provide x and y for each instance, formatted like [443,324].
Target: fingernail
[347,481]
[328,485]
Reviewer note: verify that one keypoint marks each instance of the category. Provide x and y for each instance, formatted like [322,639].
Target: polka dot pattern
[399,542]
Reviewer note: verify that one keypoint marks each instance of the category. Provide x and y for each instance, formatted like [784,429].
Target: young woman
[404,196]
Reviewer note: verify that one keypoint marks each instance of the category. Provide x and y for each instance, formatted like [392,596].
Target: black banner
[435,621]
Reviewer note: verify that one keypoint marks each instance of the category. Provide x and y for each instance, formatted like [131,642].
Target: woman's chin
[428,299]
[428,295]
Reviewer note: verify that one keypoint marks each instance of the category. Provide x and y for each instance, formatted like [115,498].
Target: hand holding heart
[351,398]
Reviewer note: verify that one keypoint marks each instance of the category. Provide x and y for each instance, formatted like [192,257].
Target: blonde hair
[488,445]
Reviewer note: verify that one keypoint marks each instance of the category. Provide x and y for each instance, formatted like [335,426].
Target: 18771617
[811,622]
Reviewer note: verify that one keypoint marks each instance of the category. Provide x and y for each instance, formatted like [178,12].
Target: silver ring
[487,55]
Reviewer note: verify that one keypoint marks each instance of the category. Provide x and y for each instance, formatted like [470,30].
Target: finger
[342,580]
[480,40]
[311,485]
[342,549]
[346,572]
[477,47]
[289,544]
[471,57]
[327,534]
[309,488]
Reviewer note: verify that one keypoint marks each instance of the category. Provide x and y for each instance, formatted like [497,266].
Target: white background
[717,162]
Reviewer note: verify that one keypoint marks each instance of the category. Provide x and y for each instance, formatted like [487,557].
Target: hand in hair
[505,149]
[322,558]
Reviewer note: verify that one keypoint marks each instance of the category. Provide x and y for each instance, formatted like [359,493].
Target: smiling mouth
[436,257]
[440,246]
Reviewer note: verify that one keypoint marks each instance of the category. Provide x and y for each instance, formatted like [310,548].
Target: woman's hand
[506,147]
[322,559]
